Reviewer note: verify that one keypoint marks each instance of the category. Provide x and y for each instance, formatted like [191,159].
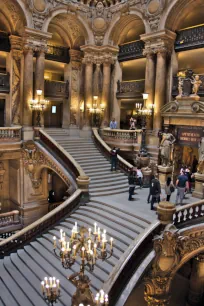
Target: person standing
[113,124]
[194,164]
[132,178]
[114,158]
[182,185]
[169,188]
[155,191]
[140,177]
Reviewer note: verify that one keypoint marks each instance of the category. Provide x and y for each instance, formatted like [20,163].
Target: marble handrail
[42,224]
[9,218]
[121,134]
[189,212]
[106,150]
[60,151]
[10,133]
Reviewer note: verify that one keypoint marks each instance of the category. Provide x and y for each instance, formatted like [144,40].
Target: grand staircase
[22,271]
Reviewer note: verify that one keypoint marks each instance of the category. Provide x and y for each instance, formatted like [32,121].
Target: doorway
[2,112]
[53,114]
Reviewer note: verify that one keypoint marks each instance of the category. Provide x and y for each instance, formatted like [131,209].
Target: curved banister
[55,147]
[188,212]
[106,150]
[129,261]
[38,227]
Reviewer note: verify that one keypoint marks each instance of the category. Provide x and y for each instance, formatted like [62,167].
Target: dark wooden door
[2,110]
[53,115]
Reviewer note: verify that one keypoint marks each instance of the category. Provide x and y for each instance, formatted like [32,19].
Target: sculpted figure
[165,148]
[180,86]
[196,84]
[200,168]
[83,293]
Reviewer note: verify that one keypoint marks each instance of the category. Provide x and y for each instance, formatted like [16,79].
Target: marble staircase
[22,271]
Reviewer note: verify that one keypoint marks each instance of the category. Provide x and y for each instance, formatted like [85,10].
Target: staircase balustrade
[59,152]
[124,135]
[9,222]
[189,212]
[8,134]
[38,227]
[105,149]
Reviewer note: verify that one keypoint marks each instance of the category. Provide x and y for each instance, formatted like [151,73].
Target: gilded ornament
[39,5]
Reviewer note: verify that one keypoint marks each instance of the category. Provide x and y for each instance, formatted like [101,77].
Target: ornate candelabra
[88,245]
[51,290]
[39,105]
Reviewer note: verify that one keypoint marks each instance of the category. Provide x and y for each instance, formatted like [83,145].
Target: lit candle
[89,244]
[106,299]
[76,227]
[54,281]
[63,249]
[103,244]
[111,242]
[74,248]
[89,232]
[95,246]
[46,280]
[58,283]
[99,234]
[47,290]
[83,249]
[50,279]
[54,288]
[95,232]
[43,286]
[61,233]
[102,296]
[104,234]
[72,236]
[54,242]
[68,249]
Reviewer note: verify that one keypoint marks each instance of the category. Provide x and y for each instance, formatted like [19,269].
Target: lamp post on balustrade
[39,105]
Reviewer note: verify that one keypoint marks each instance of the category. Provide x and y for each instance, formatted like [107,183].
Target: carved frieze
[34,161]
[152,10]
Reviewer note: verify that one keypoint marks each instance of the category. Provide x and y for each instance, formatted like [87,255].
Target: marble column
[150,82]
[66,102]
[160,87]
[106,92]
[39,79]
[88,92]
[15,78]
[196,290]
[28,90]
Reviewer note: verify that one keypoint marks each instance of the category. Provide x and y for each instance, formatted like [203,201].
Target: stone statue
[180,86]
[200,168]
[165,148]
[196,84]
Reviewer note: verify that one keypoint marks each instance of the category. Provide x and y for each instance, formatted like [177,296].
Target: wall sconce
[82,107]
[145,96]
[102,107]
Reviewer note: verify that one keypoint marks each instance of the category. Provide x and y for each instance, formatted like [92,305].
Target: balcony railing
[10,222]
[9,134]
[131,50]
[58,54]
[190,38]
[4,42]
[4,83]
[56,89]
[130,89]
[175,86]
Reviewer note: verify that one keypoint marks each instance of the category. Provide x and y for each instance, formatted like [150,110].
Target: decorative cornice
[99,54]
[35,40]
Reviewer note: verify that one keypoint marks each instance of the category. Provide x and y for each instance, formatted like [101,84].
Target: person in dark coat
[51,197]
[132,180]
[155,191]
[114,158]
[194,164]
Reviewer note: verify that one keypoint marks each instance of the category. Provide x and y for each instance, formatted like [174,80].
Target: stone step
[110,188]
[95,154]
[13,288]
[108,193]
[108,175]
[6,297]
[108,181]
[90,158]
[81,151]
[94,162]
[27,289]
[93,187]
[132,229]
[96,165]
[126,215]
[98,170]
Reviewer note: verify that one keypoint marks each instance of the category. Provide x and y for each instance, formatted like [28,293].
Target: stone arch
[15,16]
[78,22]
[38,173]
[122,24]
[176,11]
[65,37]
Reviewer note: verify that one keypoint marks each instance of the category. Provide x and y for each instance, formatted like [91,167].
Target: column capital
[75,55]
[16,46]
[100,54]
[159,42]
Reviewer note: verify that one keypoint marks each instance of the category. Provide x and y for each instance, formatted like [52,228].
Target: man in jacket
[155,191]
[182,185]
[114,158]
[132,179]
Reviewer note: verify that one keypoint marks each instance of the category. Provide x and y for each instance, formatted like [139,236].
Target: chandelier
[39,105]
[88,245]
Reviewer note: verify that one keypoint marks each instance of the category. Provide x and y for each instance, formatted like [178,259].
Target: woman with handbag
[169,188]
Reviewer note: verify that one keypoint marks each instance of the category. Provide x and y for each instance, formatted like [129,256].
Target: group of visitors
[135,177]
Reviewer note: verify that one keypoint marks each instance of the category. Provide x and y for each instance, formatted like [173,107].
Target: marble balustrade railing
[189,212]
[126,135]
[10,133]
